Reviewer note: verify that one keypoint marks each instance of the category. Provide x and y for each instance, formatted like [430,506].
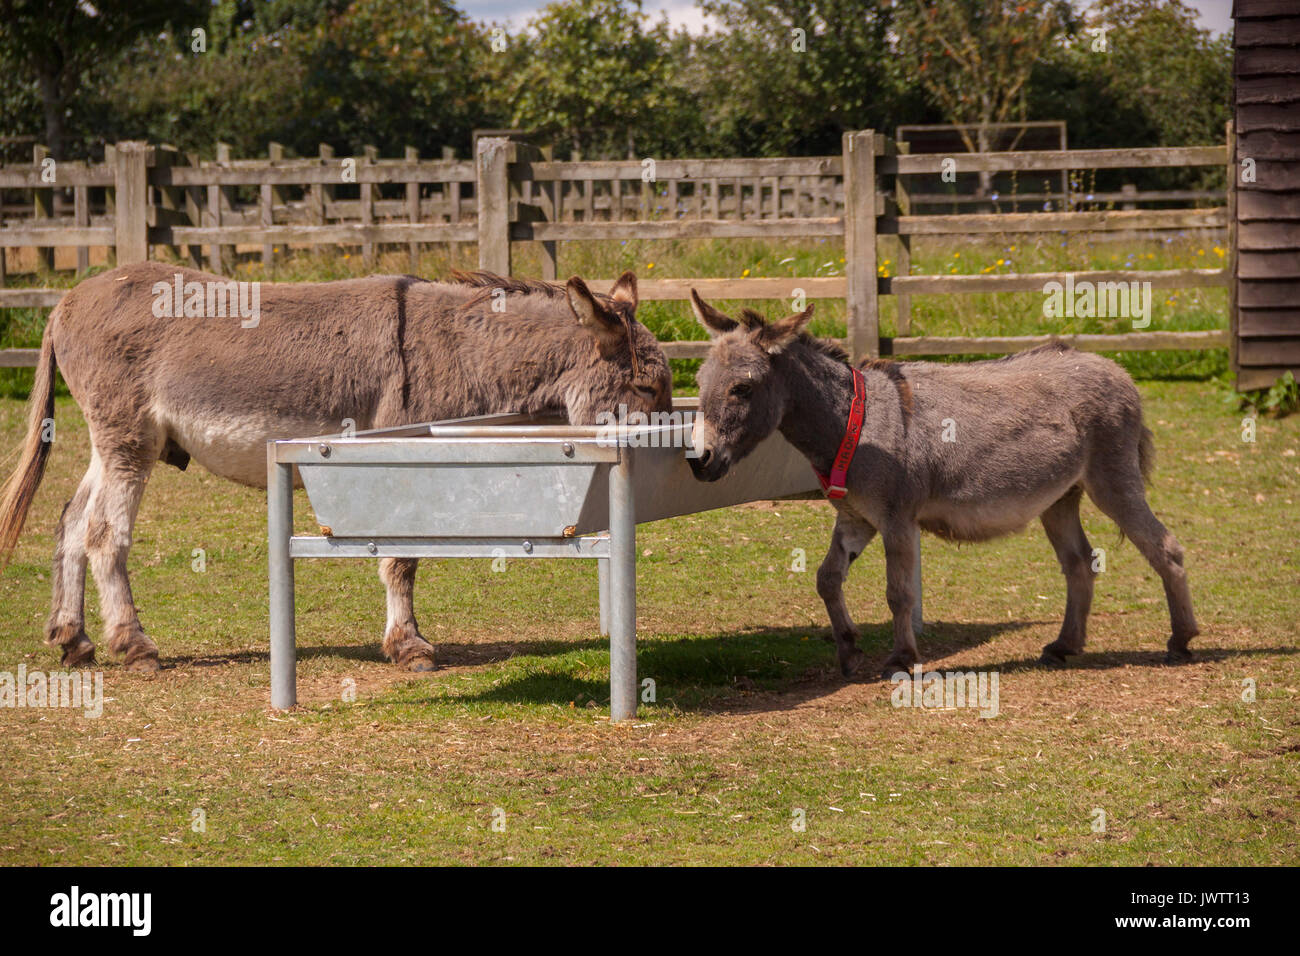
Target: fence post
[110,200]
[194,211]
[221,200]
[553,192]
[321,193]
[452,193]
[861,302]
[1230,197]
[131,199]
[904,203]
[269,196]
[412,155]
[367,192]
[171,199]
[81,216]
[494,205]
[42,207]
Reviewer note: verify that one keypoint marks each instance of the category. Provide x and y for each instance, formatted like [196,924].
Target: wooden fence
[510,193]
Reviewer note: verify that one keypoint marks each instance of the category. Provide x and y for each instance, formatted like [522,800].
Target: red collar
[836,485]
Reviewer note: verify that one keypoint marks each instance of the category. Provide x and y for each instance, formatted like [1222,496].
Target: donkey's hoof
[893,669]
[851,661]
[405,647]
[1055,656]
[1178,655]
[79,654]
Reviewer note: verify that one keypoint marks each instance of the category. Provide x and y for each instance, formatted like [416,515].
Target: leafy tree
[1159,60]
[975,57]
[1157,80]
[596,76]
[395,72]
[58,42]
[301,72]
[786,77]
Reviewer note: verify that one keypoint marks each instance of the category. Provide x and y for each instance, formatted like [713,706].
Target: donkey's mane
[825,346]
[482,279]
[488,282]
[752,320]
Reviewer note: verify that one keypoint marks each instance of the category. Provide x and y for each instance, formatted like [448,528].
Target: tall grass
[1017,313]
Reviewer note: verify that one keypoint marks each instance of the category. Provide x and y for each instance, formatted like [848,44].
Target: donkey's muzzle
[708,466]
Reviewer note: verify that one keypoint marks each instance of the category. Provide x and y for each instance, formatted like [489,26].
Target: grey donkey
[967,452]
[158,385]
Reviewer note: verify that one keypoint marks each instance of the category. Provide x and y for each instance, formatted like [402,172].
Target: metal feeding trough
[504,486]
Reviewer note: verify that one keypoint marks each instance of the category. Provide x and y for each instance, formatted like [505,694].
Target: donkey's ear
[775,337]
[625,290]
[594,317]
[709,317]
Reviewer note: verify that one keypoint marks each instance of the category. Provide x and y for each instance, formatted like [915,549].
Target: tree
[595,75]
[301,72]
[57,42]
[1158,59]
[975,57]
[398,72]
[790,76]
[1157,80]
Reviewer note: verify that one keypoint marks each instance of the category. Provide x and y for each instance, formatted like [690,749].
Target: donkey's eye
[645,390]
[741,390]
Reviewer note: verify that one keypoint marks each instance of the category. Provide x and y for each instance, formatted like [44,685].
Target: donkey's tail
[1146,454]
[17,494]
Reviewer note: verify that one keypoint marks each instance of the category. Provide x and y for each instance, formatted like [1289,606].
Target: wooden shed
[1265,294]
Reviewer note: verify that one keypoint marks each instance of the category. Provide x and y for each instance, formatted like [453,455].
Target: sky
[1214,14]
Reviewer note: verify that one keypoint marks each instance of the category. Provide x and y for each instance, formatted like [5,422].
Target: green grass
[751,722]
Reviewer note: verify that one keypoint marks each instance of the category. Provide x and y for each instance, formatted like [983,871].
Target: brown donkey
[967,452]
[163,372]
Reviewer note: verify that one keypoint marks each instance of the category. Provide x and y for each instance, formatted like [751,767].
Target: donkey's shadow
[770,669]
[744,670]
[788,664]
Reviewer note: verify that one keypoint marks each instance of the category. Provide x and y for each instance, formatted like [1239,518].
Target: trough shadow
[788,666]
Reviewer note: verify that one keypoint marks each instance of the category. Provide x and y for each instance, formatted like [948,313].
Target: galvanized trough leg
[622,590]
[602,582]
[279,525]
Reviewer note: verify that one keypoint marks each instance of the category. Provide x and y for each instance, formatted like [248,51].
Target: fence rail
[150,196]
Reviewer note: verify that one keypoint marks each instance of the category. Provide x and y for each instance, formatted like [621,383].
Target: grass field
[752,730]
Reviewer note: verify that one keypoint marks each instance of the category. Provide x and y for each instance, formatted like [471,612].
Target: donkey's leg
[1123,499]
[66,628]
[847,541]
[1065,531]
[901,558]
[402,641]
[110,516]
